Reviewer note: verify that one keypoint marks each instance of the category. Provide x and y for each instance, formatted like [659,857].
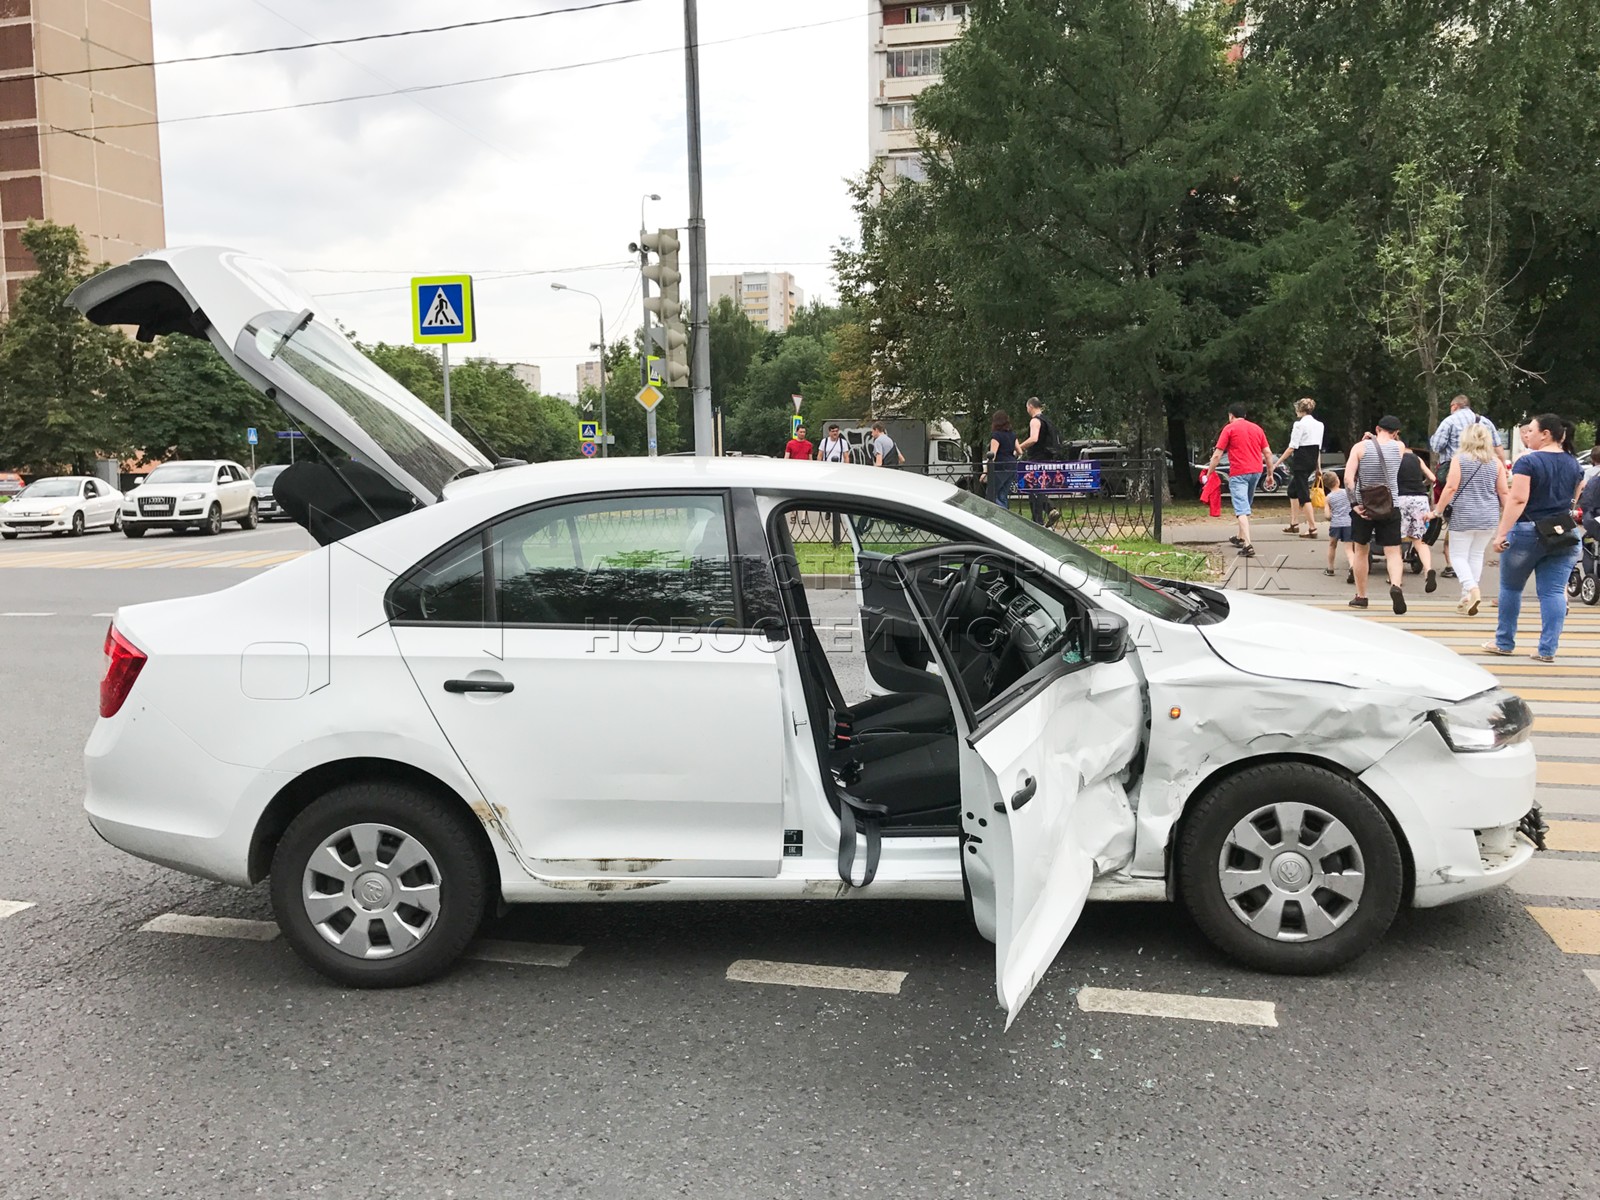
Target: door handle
[459,686]
[1021,796]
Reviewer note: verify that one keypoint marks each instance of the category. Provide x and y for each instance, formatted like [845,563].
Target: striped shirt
[1446,439]
[1338,508]
[1476,504]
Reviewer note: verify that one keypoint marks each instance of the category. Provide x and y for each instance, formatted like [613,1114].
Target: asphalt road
[1459,1059]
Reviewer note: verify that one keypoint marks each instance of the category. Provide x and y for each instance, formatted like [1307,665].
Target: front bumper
[1458,813]
[10,524]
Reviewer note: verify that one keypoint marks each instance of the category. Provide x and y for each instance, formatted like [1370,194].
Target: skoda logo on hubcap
[372,891]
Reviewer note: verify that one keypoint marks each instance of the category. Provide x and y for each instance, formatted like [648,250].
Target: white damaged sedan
[400,728]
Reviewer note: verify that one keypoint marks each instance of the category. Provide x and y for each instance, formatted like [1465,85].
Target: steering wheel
[958,600]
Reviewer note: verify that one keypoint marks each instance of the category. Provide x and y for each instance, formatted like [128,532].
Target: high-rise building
[528,375]
[78,140]
[905,52]
[768,298]
[588,376]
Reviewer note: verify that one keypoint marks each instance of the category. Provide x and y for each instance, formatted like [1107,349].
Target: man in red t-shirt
[1245,444]
[798,446]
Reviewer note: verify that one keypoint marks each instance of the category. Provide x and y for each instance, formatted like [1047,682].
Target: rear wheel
[379,885]
[1290,868]
[1575,582]
[248,521]
[116,520]
[213,521]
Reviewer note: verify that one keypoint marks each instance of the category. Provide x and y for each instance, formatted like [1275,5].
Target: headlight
[56,511]
[194,495]
[1485,722]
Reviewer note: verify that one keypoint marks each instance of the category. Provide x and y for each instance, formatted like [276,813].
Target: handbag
[1557,532]
[1319,498]
[1378,500]
[1451,507]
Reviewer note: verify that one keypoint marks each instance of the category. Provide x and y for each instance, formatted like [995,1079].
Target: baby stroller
[1584,582]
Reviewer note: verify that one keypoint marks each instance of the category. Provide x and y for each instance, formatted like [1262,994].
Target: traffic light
[667,306]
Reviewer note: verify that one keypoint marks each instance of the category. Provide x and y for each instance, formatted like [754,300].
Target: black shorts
[1386,532]
[1300,486]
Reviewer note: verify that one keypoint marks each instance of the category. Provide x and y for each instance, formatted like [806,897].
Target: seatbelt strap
[849,806]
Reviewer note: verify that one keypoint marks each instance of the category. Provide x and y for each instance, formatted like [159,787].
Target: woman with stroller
[1473,495]
[1416,487]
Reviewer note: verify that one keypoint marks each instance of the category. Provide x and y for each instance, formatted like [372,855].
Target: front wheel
[133,531]
[1590,589]
[1290,868]
[379,885]
[248,521]
[213,522]
[77,523]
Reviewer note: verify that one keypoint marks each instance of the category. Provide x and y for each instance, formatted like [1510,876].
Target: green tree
[193,405]
[758,420]
[67,388]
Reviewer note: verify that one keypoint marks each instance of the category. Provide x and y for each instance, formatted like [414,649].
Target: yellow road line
[1565,695]
[1566,724]
[1501,666]
[1573,930]
[1580,774]
[1581,837]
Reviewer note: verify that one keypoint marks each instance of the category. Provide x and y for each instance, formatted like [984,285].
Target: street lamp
[605,436]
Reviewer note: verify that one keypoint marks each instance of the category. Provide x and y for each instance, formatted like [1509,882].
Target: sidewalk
[1291,567]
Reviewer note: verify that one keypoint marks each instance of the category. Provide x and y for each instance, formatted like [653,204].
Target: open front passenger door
[1048,759]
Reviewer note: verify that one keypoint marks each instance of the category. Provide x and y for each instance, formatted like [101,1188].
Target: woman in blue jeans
[1544,484]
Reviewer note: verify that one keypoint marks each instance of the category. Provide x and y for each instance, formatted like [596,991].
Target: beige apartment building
[78,141]
[769,298]
[588,376]
[905,51]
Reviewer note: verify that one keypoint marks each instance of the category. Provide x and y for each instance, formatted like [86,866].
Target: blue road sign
[588,449]
[289,433]
[441,309]
[250,435]
[588,431]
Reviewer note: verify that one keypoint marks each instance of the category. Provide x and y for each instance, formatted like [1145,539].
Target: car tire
[116,521]
[317,911]
[133,531]
[213,522]
[1315,912]
[77,523]
[250,518]
[1588,590]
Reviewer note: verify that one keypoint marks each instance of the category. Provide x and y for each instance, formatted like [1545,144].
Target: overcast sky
[529,174]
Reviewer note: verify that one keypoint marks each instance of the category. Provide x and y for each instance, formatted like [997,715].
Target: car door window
[448,589]
[617,562]
[90,491]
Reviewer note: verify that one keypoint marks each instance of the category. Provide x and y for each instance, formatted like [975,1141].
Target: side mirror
[138,481]
[1108,636]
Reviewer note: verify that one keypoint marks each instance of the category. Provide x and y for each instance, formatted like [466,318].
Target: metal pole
[699,282]
[605,428]
[644,352]
[444,350]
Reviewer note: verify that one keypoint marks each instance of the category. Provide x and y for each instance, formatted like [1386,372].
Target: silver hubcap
[372,891]
[1292,872]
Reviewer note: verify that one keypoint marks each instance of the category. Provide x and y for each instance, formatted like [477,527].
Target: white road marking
[218,927]
[1594,977]
[844,979]
[1573,878]
[25,614]
[528,954]
[1181,1007]
[10,908]
[102,614]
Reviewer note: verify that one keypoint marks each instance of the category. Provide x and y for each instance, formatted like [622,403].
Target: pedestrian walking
[1447,438]
[1473,494]
[1039,444]
[1591,469]
[1372,477]
[1415,501]
[884,452]
[1002,459]
[1243,441]
[1589,512]
[1338,520]
[1537,536]
[834,447]
[799,446]
[1305,462]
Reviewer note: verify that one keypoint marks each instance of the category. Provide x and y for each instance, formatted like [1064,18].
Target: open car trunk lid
[271,333]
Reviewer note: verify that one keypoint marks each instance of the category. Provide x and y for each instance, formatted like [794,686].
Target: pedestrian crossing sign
[441,309]
[588,431]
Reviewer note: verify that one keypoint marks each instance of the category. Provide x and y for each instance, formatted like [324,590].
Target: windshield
[49,487]
[268,474]
[1145,596]
[329,370]
[181,473]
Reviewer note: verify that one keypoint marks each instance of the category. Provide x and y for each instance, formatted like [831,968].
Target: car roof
[638,474]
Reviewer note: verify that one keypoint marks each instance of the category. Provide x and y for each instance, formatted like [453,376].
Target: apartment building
[905,51]
[78,140]
[588,376]
[527,374]
[769,298]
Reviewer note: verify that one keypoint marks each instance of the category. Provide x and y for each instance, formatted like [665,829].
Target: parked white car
[401,728]
[71,504]
[201,494]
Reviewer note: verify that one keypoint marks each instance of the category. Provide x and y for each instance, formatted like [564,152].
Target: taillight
[124,661]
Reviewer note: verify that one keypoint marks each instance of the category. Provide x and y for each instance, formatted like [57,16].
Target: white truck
[932,448]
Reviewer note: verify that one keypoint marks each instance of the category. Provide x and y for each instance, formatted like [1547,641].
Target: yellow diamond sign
[649,396]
